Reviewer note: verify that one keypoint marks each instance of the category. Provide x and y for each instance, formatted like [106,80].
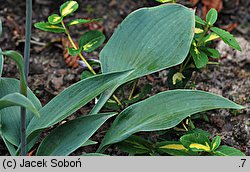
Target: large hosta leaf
[68,137]
[73,98]
[148,40]
[17,99]
[10,117]
[163,111]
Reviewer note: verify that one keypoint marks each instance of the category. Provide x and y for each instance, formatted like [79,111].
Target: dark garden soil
[49,74]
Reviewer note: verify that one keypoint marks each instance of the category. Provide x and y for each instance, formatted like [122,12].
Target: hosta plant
[147,41]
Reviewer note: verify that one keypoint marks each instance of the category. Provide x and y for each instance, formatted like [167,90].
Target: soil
[49,74]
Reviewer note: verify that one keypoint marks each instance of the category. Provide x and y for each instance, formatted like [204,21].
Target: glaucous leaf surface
[17,99]
[148,40]
[10,117]
[73,98]
[162,111]
[71,135]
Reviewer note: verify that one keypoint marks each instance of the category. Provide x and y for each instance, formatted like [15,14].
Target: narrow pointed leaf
[18,58]
[91,40]
[215,143]
[82,21]
[227,38]
[212,53]
[68,137]
[45,26]
[199,20]
[88,143]
[68,8]
[174,148]
[10,147]
[228,151]
[10,117]
[17,99]
[73,98]
[163,111]
[210,37]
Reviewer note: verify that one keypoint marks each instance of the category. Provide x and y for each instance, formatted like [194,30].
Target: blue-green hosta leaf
[45,26]
[228,151]
[148,40]
[68,8]
[162,111]
[17,99]
[68,137]
[54,19]
[227,38]
[10,117]
[73,98]
[211,16]
[18,58]
[91,40]
[82,21]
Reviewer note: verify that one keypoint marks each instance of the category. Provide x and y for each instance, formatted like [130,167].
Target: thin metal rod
[26,71]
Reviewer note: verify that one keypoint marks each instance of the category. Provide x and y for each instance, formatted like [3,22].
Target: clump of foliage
[194,143]
[147,41]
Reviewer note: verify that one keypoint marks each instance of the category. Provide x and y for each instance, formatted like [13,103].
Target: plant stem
[75,47]
[23,89]
[203,35]
[83,59]
[185,64]
[182,68]
[133,89]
